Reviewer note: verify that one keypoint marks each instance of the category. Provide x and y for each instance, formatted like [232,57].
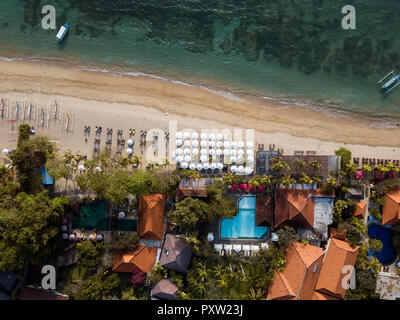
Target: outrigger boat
[62,32]
[392,83]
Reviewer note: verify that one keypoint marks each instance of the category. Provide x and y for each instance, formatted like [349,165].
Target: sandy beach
[143,103]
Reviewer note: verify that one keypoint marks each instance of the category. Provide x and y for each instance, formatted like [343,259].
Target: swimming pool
[243,225]
[388,254]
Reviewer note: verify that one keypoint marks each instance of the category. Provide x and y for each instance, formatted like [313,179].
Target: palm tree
[315,165]
[228,178]
[280,166]
[255,181]
[287,180]
[136,161]
[331,184]
[255,294]
[266,180]
[305,179]
[300,163]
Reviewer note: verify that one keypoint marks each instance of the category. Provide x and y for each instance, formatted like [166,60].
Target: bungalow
[391,208]
[151,217]
[310,210]
[165,290]
[361,209]
[312,273]
[143,258]
[31,293]
[193,188]
[264,210]
[176,254]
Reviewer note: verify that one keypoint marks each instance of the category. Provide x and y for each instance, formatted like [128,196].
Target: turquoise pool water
[243,225]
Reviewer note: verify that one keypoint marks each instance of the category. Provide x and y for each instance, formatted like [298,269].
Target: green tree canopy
[345,157]
[100,287]
[29,225]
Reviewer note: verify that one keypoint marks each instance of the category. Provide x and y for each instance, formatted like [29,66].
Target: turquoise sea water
[279,49]
[243,225]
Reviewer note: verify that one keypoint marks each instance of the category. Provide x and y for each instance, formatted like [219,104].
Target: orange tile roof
[360,210]
[335,233]
[298,279]
[264,210]
[338,254]
[151,217]
[391,208]
[142,257]
[321,296]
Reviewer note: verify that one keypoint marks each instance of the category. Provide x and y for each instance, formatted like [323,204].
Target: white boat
[62,32]
[392,83]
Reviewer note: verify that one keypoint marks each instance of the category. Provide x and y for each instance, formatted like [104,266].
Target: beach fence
[39,116]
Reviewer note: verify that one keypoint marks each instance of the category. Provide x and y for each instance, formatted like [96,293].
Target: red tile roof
[151,217]
[264,210]
[360,210]
[338,254]
[143,258]
[297,281]
[391,208]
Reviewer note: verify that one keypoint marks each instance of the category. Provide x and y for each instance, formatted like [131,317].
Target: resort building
[312,273]
[391,208]
[263,161]
[165,290]
[31,293]
[329,164]
[142,258]
[151,224]
[388,286]
[308,209]
[176,254]
[265,210]
[361,209]
[338,254]
[193,188]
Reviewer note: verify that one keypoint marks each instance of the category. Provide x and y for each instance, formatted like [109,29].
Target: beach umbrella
[8,165]
[218,152]
[210,236]
[99,237]
[199,166]
[178,142]
[98,169]
[203,152]
[121,215]
[195,135]
[240,169]
[233,152]
[250,144]
[249,152]
[250,159]
[203,143]
[248,170]
[179,151]
[220,136]
[184,165]
[233,159]
[203,136]
[6,152]
[240,152]
[71,236]
[130,142]
[91,237]
[65,236]
[227,152]
[188,158]
[81,167]
[213,166]
[187,143]
[192,166]
[195,143]
[233,145]
[219,144]
[233,169]
[227,144]
[195,152]
[211,144]
[186,135]
[237,247]
[179,135]
[129,151]
[211,152]
[218,247]
[212,136]
[220,166]
[240,159]
[64,228]
[205,166]
[186,151]
[241,144]
[179,159]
